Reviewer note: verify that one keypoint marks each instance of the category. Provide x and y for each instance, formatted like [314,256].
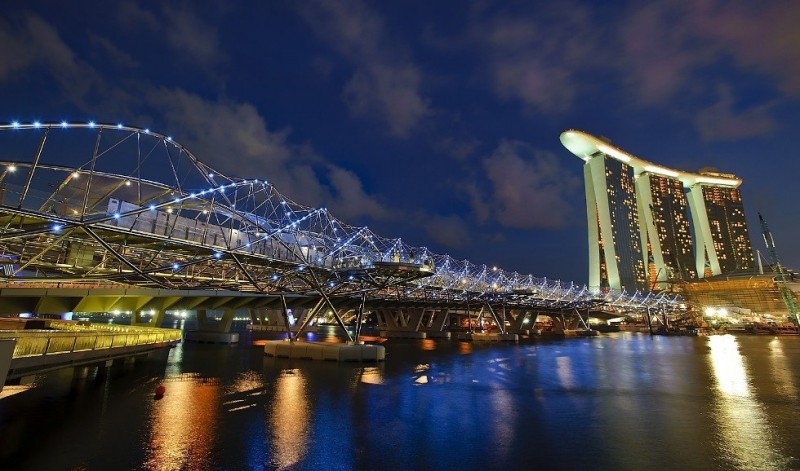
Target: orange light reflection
[290,420]
[183,421]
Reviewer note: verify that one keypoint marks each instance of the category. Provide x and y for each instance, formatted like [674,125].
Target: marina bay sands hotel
[649,224]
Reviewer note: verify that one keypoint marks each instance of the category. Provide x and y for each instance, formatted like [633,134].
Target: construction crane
[783,287]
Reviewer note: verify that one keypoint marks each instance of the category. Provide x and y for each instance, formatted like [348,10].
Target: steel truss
[91,201]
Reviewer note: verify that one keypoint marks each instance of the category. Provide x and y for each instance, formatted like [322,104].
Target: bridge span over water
[100,217]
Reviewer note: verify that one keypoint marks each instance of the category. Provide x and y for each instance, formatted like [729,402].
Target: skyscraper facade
[649,225]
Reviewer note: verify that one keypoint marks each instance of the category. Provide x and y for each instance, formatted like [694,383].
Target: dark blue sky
[437,122]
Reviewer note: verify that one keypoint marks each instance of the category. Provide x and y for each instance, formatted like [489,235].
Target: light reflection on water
[183,426]
[371,375]
[289,418]
[744,432]
[564,372]
[619,402]
[780,369]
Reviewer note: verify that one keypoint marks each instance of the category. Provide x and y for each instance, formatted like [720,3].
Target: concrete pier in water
[324,351]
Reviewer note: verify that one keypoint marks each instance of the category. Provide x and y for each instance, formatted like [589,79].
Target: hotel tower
[649,225]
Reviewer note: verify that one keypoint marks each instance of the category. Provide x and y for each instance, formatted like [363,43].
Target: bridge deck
[77,344]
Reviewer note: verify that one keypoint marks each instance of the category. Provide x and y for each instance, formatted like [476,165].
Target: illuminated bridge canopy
[110,202]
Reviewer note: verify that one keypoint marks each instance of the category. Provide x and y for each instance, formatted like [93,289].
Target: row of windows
[671,218]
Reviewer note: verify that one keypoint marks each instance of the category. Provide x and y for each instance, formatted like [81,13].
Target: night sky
[434,121]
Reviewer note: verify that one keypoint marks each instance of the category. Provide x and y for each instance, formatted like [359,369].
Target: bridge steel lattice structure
[91,205]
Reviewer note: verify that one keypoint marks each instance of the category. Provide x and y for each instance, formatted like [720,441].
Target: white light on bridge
[91,124]
[75,175]
[15,124]
[64,124]
[12,168]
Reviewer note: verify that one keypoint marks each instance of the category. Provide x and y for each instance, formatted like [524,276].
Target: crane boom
[786,293]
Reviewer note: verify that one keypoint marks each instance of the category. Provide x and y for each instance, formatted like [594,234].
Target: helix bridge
[110,204]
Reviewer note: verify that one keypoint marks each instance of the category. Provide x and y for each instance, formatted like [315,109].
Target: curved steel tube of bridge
[120,203]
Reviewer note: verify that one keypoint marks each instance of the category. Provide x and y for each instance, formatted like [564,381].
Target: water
[621,401]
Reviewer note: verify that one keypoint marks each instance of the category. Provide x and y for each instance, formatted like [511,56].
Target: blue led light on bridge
[316,238]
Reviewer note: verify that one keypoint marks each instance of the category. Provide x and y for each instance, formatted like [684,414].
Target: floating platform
[200,336]
[437,334]
[267,328]
[580,333]
[520,332]
[324,351]
[487,337]
[403,334]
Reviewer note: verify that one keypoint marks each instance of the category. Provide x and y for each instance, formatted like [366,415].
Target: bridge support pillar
[6,353]
[213,331]
[440,319]
[387,319]
[80,372]
[225,323]
[222,324]
[415,318]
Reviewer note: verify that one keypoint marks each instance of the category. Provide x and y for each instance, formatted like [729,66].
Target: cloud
[350,200]
[537,58]
[459,149]
[451,231]
[195,40]
[235,139]
[129,14]
[761,35]
[16,49]
[659,50]
[529,187]
[117,55]
[721,121]
[192,37]
[385,83]
[35,43]
[668,44]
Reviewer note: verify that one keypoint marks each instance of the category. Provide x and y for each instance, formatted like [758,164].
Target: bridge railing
[76,338]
